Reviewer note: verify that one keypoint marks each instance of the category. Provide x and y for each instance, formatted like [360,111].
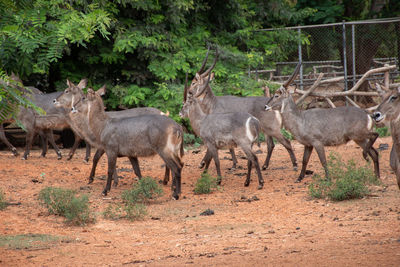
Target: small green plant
[205,184]
[192,140]
[346,181]
[383,131]
[287,134]
[64,202]
[134,199]
[29,241]
[3,203]
[113,212]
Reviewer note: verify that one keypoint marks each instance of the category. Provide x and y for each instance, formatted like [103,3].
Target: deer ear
[198,77]
[69,83]
[82,84]
[101,91]
[398,90]
[212,76]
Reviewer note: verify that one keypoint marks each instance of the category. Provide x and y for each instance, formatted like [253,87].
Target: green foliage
[287,134]
[141,192]
[383,131]
[3,203]
[205,184]
[30,241]
[113,212]
[346,181]
[192,140]
[64,202]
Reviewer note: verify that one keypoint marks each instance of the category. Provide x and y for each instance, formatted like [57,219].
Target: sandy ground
[279,225]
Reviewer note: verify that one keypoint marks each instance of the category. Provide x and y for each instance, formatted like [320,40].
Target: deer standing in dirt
[389,111]
[222,130]
[317,128]
[271,123]
[131,137]
[73,93]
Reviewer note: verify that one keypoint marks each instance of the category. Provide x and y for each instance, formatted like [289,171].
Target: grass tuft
[206,184]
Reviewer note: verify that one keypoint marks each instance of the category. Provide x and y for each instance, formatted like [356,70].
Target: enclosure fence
[346,49]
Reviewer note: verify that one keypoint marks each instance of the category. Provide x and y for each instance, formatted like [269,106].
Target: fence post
[344,56]
[353,43]
[300,59]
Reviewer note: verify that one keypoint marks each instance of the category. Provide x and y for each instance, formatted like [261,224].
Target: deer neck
[291,115]
[97,120]
[196,116]
[207,100]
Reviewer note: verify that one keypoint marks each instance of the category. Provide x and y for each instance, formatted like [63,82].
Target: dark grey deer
[271,123]
[317,128]
[73,93]
[55,118]
[131,137]
[389,112]
[225,130]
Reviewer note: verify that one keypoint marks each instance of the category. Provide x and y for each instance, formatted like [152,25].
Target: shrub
[64,202]
[3,203]
[192,140]
[205,184]
[134,199]
[383,131]
[141,192]
[346,181]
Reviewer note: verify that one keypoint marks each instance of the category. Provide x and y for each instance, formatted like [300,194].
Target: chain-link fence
[346,49]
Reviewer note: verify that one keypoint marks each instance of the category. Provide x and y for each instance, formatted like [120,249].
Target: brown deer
[221,130]
[131,137]
[317,128]
[271,123]
[74,93]
[389,112]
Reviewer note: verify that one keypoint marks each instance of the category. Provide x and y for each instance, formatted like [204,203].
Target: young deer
[317,128]
[271,123]
[225,130]
[389,111]
[73,93]
[131,137]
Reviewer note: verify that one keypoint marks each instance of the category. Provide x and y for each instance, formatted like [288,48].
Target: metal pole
[344,57]
[300,59]
[353,42]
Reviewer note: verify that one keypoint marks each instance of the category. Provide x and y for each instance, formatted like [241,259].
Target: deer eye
[392,98]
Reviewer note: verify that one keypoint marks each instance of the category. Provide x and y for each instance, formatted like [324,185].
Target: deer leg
[204,160]
[5,141]
[50,136]
[306,158]
[99,153]
[234,160]
[28,145]
[270,146]
[166,176]
[43,142]
[112,162]
[214,154]
[176,170]
[375,158]
[87,156]
[77,141]
[322,158]
[207,159]
[286,143]
[135,165]
[249,167]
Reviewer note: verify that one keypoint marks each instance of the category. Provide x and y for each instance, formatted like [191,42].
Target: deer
[317,128]
[219,130]
[389,112]
[34,123]
[131,137]
[74,93]
[271,123]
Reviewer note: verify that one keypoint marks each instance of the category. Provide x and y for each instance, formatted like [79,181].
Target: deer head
[282,95]
[71,94]
[195,89]
[389,109]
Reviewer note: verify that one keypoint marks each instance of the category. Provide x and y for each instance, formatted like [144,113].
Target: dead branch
[309,91]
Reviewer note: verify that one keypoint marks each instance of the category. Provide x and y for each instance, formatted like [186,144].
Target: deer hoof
[260,186]
[264,167]
[247,183]
[69,157]
[15,152]
[90,180]
[104,193]
[298,180]
[175,196]
[202,164]
[295,168]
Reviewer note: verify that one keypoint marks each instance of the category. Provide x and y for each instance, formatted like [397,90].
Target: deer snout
[74,110]
[55,102]
[267,107]
[378,116]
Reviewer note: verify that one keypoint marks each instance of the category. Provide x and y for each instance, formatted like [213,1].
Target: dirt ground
[279,225]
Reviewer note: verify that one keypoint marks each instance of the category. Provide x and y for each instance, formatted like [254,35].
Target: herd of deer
[221,121]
